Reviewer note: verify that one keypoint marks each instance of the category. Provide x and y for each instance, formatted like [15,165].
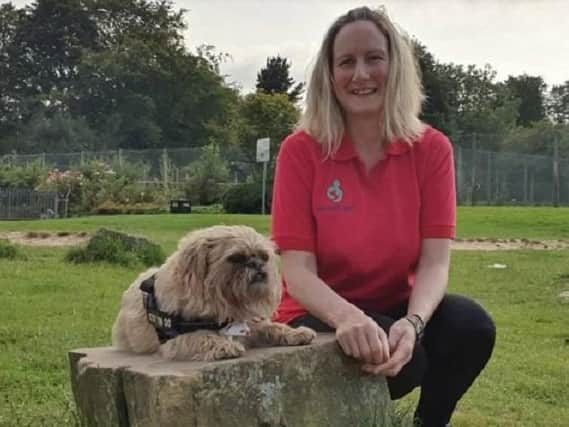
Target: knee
[481,327]
[479,336]
[467,319]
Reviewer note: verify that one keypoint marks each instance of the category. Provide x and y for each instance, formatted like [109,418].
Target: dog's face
[232,270]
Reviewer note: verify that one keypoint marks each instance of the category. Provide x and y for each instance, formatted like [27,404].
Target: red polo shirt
[364,228]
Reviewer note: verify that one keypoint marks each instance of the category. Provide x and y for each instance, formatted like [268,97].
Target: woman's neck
[368,140]
[365,132]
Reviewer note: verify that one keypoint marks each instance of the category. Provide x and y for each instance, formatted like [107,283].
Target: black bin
[180,206]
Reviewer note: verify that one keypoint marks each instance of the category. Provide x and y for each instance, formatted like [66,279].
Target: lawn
[50,306]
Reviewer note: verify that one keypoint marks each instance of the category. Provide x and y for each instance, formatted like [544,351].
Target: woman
[363,214]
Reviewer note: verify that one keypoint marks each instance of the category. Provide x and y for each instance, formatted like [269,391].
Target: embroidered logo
[334,192]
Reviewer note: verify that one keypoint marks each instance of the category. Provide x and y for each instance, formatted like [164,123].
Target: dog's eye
[237,258]
[264,256]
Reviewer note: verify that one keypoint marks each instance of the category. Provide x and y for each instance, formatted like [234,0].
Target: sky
[513,36]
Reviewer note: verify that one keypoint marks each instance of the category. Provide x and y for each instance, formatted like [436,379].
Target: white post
[264,187]
[263,155]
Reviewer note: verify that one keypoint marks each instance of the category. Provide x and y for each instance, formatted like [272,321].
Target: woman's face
[360,68]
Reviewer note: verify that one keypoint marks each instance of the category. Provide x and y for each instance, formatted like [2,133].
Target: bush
[111,208]
[8,250]
[117,248]
[204,177]
[210,209]
[27,176]
[243,198]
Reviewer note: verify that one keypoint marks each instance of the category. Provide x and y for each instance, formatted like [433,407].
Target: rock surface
[309,386]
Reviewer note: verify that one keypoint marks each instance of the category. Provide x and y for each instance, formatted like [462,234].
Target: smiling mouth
[363,92]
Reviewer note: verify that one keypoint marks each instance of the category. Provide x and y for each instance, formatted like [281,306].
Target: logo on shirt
[335,192]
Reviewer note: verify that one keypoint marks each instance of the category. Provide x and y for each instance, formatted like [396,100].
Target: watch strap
[418,324]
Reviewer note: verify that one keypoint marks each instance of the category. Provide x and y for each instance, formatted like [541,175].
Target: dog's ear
[193,259]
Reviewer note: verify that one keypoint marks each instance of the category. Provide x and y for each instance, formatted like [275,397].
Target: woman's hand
[360,337]
[402,338]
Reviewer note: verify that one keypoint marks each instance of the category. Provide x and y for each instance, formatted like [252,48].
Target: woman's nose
[361,71]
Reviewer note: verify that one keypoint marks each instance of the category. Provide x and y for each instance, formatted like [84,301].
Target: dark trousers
[458,342]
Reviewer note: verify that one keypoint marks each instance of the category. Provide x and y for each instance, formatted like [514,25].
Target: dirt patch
[507,244]
[43,238]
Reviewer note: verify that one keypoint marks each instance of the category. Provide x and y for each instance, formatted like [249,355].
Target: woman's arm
[358,335]
[428,291]
[431,279]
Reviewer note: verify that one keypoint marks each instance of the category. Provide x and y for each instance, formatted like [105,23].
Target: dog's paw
[300,336]
[226,350]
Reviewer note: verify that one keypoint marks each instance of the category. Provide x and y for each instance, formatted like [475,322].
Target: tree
[265,115]
[486,108]
[57,133]
[46,50]
[463,101]
[558,103]
[275,78]
[441,87]
[206,175]
[120,66]
[531,92]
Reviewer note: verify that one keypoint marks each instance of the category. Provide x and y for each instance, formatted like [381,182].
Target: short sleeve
[293,226]
[438,190]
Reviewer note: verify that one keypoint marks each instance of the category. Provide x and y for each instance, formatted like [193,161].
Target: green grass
[50,306]
[513,222]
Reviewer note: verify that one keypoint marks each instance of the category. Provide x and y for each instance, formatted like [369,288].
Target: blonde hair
[323,118]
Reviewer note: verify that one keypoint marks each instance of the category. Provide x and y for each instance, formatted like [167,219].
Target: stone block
[307,386]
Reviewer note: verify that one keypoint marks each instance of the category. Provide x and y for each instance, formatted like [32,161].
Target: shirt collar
[346,151]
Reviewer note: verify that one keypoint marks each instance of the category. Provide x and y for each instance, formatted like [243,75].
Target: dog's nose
[260,276]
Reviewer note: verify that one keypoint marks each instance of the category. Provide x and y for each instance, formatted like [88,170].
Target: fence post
[489,179]
[119,154]
[473,170]
[526,198]
[165,167]
[459,174]
[555,171]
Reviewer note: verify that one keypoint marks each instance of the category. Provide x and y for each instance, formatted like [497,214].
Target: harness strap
[169,326]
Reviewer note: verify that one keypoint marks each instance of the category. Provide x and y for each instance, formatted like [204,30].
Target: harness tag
[236,329]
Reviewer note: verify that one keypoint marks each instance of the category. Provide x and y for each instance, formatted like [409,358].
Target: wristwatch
[418,324]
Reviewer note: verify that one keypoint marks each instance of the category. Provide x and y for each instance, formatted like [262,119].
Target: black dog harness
[169,326]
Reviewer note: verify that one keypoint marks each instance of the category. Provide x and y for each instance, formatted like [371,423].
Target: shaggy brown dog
[219,276]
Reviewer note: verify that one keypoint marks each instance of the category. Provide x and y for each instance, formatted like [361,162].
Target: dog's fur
[219,273]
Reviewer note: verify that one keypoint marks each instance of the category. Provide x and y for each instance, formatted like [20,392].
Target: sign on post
[263,155]
[263,149]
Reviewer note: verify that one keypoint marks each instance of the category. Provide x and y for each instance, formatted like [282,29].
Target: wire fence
[483,177]
[21,204]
